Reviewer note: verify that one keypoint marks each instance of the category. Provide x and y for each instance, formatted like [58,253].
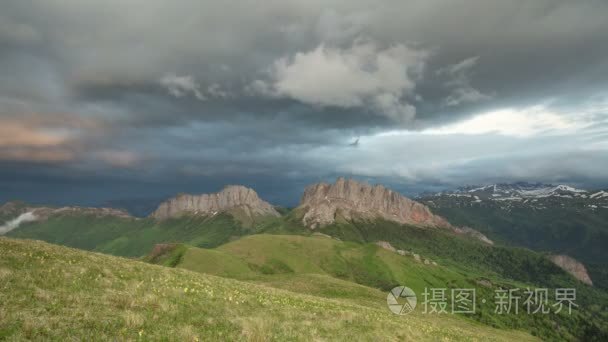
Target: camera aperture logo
[401,300]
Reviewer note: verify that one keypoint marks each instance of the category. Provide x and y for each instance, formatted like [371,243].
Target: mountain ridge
[321,201]
[323,204]
[558,219]
[14,213]
[524,192]
[232,196]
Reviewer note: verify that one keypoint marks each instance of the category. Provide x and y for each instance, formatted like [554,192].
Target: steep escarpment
[231,197]
[572,266]
[351,199]
[322,204]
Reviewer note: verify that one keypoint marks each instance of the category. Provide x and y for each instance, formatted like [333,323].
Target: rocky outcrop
[484,282]
[387,245]
[472,233]
[322,202]
[231,197]
[572,266]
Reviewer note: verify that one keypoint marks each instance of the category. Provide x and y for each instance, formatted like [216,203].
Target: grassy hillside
[58,293]
[518,264]
[579,232]
[328,268]
[321,266]
[136,237]
[131,237]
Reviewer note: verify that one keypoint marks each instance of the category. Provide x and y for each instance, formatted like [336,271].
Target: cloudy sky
[115,99]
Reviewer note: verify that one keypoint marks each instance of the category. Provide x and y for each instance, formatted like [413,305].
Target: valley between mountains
[230,265]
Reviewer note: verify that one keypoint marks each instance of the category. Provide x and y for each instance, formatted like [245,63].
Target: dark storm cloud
[144,92]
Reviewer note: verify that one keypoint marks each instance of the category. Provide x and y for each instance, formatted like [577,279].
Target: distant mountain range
[545,217]
[322,204]
[554,218]
[351,233]
[535,195]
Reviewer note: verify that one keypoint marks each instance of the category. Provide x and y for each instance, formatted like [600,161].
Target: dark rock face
[232,196]
[352,199]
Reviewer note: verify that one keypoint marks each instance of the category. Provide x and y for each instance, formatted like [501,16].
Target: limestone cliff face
[351,199]
[572,266]
[231,197]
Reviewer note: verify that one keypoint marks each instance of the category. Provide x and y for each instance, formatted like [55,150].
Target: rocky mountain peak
[321,203]
[231,197]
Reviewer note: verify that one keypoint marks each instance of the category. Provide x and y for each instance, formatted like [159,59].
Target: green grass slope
[462,252]
[322,266]
[131,237]
[329,268]
[278,258]
[579,232]
[50,292]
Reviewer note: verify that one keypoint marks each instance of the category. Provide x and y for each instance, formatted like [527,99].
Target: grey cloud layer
[152,89]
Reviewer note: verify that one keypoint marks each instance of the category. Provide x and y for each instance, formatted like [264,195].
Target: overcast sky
[117,99]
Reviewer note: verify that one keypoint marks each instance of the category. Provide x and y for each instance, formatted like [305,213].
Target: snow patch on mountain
[599,194]
[507,196]
[518,191]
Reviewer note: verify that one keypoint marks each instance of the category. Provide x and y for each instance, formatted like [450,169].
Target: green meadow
[58,293]
[339,262]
